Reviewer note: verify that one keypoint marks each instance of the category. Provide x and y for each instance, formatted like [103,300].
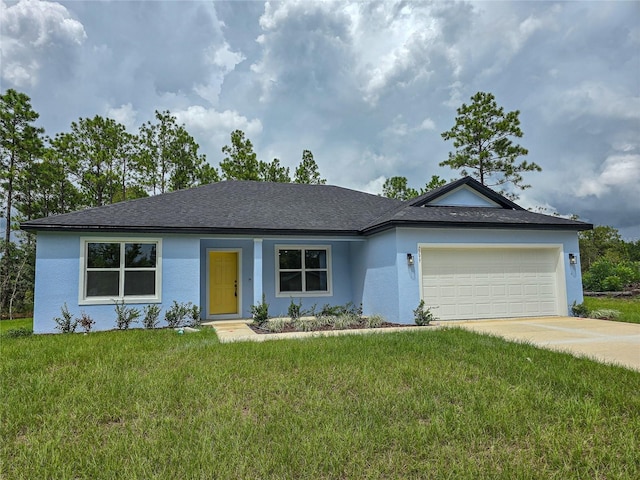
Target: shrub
[260,311]
[66,323]
[18,332]
[345,320]
[151,314]
[605,314]
[579,310]
[605,275]
[423,315]
[295,310]
[374,321]
[86,322]
[176,314]
[277,325]
[125,316]
[194,314]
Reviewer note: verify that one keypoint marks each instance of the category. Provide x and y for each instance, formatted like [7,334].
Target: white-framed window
[122,269]
[303,271]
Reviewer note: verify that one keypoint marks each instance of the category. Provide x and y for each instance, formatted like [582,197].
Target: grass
[629,308]
[437,404]
[15,324]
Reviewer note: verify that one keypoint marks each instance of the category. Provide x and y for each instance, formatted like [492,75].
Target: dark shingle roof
[282,208]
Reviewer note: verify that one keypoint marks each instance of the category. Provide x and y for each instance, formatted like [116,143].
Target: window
[126,270]
[303,270]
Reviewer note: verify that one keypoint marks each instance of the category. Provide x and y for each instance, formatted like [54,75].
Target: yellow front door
[223,283]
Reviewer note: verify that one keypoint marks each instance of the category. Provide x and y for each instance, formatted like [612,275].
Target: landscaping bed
[289,326]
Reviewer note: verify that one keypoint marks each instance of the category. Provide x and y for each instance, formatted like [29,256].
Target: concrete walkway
[602,340]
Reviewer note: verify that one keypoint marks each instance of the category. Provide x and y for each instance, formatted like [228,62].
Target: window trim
[83,299]
[286,294]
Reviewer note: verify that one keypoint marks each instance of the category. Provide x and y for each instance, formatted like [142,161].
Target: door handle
[235,287]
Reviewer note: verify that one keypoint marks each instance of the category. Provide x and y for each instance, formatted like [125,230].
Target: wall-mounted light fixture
[573,259]
[409,259]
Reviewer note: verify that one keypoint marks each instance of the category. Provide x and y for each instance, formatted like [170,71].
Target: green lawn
[629,308]
[435,404]
[15,324]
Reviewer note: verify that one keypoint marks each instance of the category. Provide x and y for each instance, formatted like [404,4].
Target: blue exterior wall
[58,274]
[341,274]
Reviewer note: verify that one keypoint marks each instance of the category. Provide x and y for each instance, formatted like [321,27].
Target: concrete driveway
[602,340]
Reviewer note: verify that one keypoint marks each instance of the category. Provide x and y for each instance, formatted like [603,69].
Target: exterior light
[573,259]
[409,259]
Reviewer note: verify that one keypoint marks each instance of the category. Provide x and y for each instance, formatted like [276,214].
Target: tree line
[97,162]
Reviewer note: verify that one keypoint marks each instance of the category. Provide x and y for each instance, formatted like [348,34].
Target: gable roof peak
[425,199]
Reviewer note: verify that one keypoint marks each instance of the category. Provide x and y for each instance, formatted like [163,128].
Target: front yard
[448,403]
[629,308]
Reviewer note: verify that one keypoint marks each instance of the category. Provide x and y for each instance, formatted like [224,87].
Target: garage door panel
[490,282]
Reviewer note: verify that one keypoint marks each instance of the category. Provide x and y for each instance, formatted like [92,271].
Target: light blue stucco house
[467,251]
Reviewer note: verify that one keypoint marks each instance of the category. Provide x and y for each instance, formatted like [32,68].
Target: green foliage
[295,310]
[178,313]
[86,322]
[481,137]
[601,242]
[607,276]
[241,162]
[194,315]
[374,321]
[125,316]
[397,187]
[66,323]
[629,307]
[151,313]
[423,315]
[605,314]
[260,311]
[307,172]
[579,310]
[274,172]
[17,333]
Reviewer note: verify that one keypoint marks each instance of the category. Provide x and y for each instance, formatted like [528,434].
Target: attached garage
[465,282]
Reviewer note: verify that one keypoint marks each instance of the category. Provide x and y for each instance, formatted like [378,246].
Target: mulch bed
[356,326]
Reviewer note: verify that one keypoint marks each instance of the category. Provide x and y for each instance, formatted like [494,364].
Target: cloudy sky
[367,86]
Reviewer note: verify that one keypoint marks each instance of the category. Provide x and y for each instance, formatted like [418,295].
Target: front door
[223,283]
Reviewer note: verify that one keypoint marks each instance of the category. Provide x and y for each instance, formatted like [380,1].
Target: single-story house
[467,251]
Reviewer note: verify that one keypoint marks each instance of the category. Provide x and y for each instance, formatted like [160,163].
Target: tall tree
[167,156]
[20,145]
[307,171]
[99,149]
[274,172]
[241,162]
[397,187]
[482,138]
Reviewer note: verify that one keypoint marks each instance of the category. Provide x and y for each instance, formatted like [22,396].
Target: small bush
[374,321]
[345,320]
[295,310]
[607,276]
[86,322]
[125,316]
[151,314]
[579,310]
[260,311]
[18,332]
[605,314]
[423,315]
[176,314]
[66,323]
[194,315]
[277,325]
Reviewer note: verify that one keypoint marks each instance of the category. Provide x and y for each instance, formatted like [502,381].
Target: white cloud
[216,124]
[30,29]
[124,114]
[619,173]
[597,99]
[222,60]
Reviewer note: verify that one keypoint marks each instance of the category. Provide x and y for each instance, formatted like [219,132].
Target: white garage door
[468,283]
